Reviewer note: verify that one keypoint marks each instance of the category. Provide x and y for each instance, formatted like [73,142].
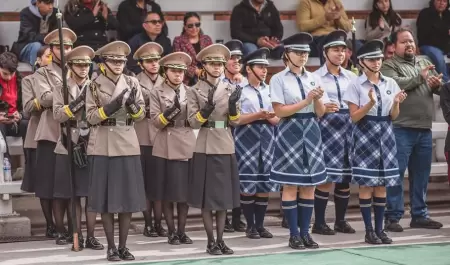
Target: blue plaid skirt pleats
[254,152]
[298,155]
[373,155]
[336,130]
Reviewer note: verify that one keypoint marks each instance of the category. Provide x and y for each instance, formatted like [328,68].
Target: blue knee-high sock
[365,206]
[260,211]
[379,205]
[306,207]
[341,199]
[248,207]
[290,211]
[320,206]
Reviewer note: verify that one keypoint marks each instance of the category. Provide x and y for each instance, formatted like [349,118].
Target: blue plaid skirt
[336,130]
[254,152]
[298,155]
[373,154]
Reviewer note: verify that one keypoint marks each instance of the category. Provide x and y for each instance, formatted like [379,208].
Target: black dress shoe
[213,248]
[426,223]
[124,254]
[322,229]
[308,242]
[93,243]
[252,233]
[228,227]
[284,223]
[112,255]
[263,233]
[50,232]
[344,227]
[61,239]
[173,239]
[224,248]
[150,231]
[242,225]
[384,238]
[392,226]
[295,242]
[160,231]
[80,244]
[184,239]
[372,238]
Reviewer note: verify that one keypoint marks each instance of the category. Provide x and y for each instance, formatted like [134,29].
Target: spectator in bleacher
[11,122]
[90,19]
[152,24]
[36,20]
[382,20]
[44,57]
[191,41]
[131,13]
[433,34]
[416,75]
[257,24]
[319,18]
[389,48]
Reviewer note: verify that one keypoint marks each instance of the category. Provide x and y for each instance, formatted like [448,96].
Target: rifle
[354,59]
[68,131]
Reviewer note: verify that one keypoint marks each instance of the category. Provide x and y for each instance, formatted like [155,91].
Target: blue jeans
[29,52]
[249,48]
[437,58]
[414,150]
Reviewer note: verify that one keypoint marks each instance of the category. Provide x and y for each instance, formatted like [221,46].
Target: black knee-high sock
[291,212]
[306,207]
[379,205]
[320,206]
[182,212]
[91,220]
[168,216]
[236,216]
[46,206]
[365,206]
[220,224]
[148,214]
[157,212]
[261,204]
[59,210]
[124,227]
[341,199]
[248,207]
[207,217]
[108,227]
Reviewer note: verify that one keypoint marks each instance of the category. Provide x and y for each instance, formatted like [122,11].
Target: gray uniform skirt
[171,179]
[62,188]
[214,182]
[116,184]
[28,181]
[148,171]
[45,169]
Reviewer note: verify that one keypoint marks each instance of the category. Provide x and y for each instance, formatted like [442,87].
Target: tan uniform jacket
[177,142]
[47,78]
[61,116]
[118,140]
[145,130]
[31,109]
[211,140]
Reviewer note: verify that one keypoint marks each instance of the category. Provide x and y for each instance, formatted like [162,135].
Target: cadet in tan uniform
[212,108]
[113,102]
[174,143]
[78,60]
[48,130]
[148,56]
[33,110]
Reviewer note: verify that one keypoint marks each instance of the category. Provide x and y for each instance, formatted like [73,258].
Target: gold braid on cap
[214,59]
[150,57]
[176,66]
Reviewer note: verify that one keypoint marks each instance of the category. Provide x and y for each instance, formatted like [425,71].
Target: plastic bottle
[7,170]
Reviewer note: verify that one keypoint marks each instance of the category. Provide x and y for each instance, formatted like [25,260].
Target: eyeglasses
[197,25]
[154,22]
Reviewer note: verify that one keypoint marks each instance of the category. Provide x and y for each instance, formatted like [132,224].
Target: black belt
[179,123]
[47,108]
[73,124]
[113,122]
[215,124]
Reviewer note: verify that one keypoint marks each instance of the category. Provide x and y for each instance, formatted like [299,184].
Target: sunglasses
[197,25]
[154,22]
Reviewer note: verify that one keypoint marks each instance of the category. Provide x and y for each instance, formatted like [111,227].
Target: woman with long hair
[382,21]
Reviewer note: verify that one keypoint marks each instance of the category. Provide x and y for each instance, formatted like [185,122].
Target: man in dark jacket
[131,13]
[433,34]
[36,21]
[257,24]
[152,32]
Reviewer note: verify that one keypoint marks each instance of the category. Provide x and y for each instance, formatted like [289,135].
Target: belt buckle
[219,124]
